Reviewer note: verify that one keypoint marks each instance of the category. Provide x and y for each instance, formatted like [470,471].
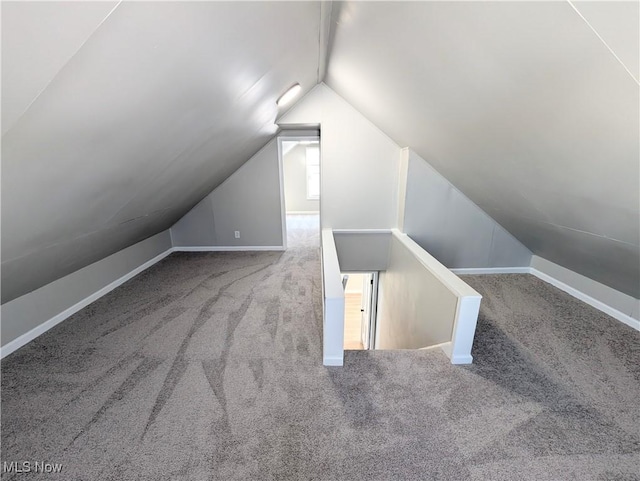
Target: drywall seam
[593,302]
[603,42]
[58,318]
[573,229]
[62,68]
[84,235]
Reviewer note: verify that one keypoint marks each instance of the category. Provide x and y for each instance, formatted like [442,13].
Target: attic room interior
[185,187]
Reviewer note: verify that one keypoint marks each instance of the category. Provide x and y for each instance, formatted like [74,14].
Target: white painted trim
[45,326]
[441,272]
[303,212]
[332,361]
[362,231]
[464,329]
[465,317]
[447,348]
[333,303]
[462,359]
[601,306]
[294,135]
[283,207]
[29,336]
[491,270]
[403,172]
[227,248]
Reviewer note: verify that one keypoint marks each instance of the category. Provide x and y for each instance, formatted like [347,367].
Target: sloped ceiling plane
[117,118]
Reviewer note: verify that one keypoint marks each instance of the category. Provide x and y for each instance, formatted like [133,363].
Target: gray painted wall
[521,106]
[444,222]
[359,166]
[365,183]
[118,122]
[295,181]
[248,201]
[364,251]
[24,313]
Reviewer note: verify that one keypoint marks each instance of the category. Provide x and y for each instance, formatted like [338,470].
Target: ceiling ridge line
[15,122]
[324,35]
[604,42]
[318,68]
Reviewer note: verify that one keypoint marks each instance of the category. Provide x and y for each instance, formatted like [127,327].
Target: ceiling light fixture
[286,97]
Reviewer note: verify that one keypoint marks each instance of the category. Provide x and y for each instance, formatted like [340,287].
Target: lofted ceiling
[529,108]
[119,117]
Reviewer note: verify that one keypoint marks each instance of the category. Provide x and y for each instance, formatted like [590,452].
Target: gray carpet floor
[208,366]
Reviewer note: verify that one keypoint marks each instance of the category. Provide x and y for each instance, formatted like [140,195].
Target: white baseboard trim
[443,345]
[227,248]
[447,348]
[332,361]
[468,359]
[492,270]
[29,336]
[601,306]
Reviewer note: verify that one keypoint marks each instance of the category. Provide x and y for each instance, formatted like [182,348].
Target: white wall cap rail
[333,303]
[448,278]
[467,304]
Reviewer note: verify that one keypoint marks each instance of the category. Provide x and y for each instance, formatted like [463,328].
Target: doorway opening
[360,303]
[299,158]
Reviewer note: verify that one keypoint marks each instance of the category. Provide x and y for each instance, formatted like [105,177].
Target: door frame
[373,311]
[294,136]
[373,306]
